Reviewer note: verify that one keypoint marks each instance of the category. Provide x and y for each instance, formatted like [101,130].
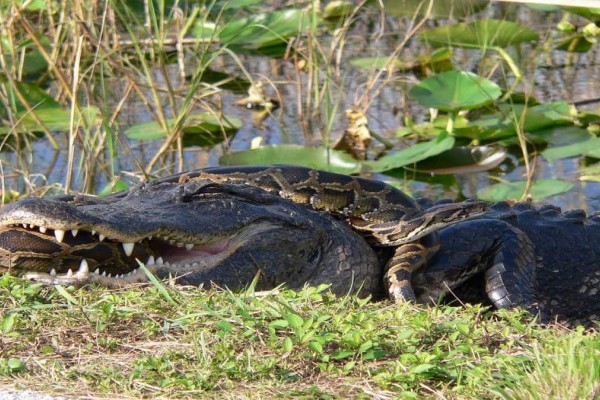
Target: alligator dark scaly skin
[556,254]
[385,215]
[382,213]
[237,232]
[222,226]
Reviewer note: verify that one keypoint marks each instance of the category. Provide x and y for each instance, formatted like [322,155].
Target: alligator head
[199,231]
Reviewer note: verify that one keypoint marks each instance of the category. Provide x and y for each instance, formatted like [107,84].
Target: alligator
[171,208]
[561,250]
[294,225]
[198,232]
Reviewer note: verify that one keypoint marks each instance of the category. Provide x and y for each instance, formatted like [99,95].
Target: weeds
[137,342]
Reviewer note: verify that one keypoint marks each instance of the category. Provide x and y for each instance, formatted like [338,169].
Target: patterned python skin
[384,214]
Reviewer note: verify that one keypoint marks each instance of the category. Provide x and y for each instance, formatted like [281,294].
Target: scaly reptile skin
[226,232]
[382,213]
[238,232]
[385,215]
[554,254]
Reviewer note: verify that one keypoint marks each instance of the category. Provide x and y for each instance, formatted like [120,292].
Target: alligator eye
[211,189]
[194,190]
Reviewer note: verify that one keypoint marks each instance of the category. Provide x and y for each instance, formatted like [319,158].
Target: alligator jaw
[165,252]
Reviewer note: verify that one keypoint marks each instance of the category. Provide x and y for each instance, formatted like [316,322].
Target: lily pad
[454,91]
[463,159]
[337,9]
[320,158]
[501,125]
[480,34]
[575,43]
[439,9]
[592,13]
[200,129]
[570,142]
[35,96]
[266,29]
[438,61]
[411,155]
[540,189]
[58,119]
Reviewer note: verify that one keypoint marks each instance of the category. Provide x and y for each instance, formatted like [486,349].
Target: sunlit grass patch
[137,342]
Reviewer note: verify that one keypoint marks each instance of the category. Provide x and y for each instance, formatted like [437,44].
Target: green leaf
[316,347]
[337,9]
[234,4]
[455,91]
[411,155]
[278,324]
[199,129]
[440,9]
[592,13]
[320,158]
[8,322]
[540,189]
[365,346]
[339,355]
[113,187]
[224,326]
[422,368]
[63,292]
[438,61]
[266,29]
[288,345]
[295,320]
[463,159]
[481,34]
[35,96]
[15,365]
[591,145]
[203,29]
[374,354]
[58,119]
[575,43]
[502,124]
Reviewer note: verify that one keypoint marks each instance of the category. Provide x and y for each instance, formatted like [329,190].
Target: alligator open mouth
[79,256]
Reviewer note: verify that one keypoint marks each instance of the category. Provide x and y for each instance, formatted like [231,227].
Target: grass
[180,342]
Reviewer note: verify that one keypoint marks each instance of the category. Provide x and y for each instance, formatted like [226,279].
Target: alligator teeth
[128,248]
[189,246]
[24,226]
[149,237]
[103,273]
[52,272]
[165,237]
[31,226]
[93,232]
[42,229]
[84,267]
[101,237]
[74,232]
[97,271]
[150,260]
[69,272]
[179,244]
[59,234]
[171,242]
[159,261]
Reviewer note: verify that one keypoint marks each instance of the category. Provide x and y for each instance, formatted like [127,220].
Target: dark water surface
[548,76]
